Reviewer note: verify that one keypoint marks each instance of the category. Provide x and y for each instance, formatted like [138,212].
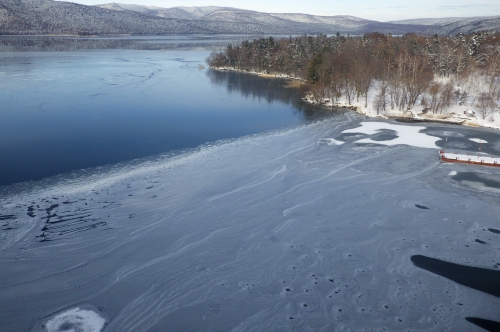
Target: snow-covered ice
[275,232]
[408,135]
[477,140]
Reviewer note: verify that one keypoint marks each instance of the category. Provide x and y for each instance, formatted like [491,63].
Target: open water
[111,100]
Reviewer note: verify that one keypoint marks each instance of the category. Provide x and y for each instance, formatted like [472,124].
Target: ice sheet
[408,135]
[274,232]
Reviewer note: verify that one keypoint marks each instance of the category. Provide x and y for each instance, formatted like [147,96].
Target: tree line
[407,68]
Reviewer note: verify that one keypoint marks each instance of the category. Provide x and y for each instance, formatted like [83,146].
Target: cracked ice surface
[275,232]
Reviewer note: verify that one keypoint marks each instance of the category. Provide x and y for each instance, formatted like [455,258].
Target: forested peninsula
[439,76]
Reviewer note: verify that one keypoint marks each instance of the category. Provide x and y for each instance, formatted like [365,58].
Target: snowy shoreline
[454,115]
[261,74]
[410,116]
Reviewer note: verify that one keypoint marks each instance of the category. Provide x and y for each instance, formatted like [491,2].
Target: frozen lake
[309,226]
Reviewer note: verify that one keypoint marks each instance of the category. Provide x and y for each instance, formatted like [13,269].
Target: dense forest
[433,72]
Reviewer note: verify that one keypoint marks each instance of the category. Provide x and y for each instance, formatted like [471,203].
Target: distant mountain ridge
[442,20]
[185,13]
[213,13]
[455,25]
[57,17]
[296,22]
[32,17]
[467,26]
[343,23]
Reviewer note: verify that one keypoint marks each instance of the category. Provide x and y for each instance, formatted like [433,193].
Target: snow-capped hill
[135,8]
[294,23]
[231,15]
[112,6]
[441,21]
[59,17]
[306,18]
[180,12]
[467,26]
[199,12]
[454,25]
[147,10]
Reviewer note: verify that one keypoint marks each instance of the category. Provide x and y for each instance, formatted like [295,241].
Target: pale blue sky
[381,10]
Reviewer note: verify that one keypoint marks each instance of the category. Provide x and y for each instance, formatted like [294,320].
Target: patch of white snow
[478,140]
[409,135]
[76,319]
[330,141]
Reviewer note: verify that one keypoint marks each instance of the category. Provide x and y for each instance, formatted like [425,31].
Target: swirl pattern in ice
[276,232]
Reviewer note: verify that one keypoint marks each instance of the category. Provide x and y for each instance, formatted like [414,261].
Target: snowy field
[307,229]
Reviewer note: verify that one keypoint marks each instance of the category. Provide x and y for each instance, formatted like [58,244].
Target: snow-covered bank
[262,73]
[461,112]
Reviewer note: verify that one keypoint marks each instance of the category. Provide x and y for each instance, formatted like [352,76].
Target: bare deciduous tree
[380,101]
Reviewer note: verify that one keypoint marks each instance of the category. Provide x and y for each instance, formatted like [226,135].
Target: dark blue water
[69,110]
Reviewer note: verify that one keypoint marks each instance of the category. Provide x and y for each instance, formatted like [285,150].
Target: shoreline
[409,116]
